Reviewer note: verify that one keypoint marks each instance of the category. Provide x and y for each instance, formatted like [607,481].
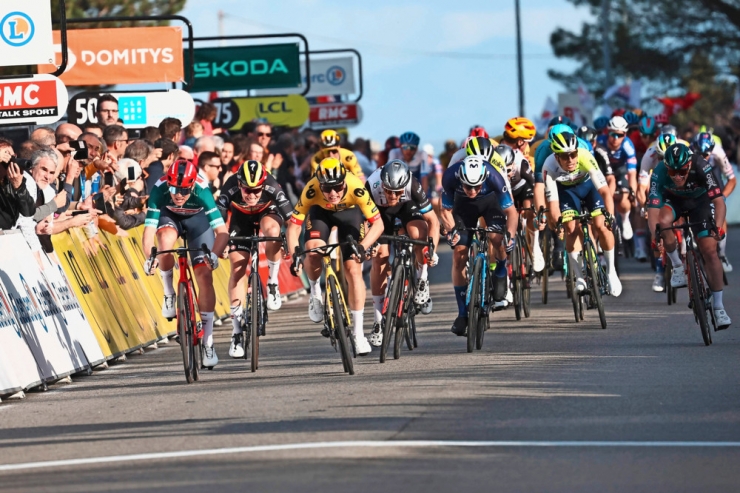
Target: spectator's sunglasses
[184,191]
[250,190]
[264,134]
[408,147]
[395,193]
[332,188]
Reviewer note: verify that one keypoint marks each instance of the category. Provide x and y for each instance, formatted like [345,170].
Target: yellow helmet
[252,174]
[330,171]
[330,139]
[520,128]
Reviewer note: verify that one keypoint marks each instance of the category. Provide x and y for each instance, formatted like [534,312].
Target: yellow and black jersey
[355,195]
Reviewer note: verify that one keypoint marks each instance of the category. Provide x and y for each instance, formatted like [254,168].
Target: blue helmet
[703,143]
[559,129]
[410,138]
[600,123]
[631,117]
[647,126]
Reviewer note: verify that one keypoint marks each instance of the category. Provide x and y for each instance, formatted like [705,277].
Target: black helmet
[586,133]
[395,175]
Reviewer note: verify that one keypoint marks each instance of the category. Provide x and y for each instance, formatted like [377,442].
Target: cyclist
[181,203]
[329,142]
[256,203]
[399,197]
[331,198]
[473,189]
[600,155]
[684,182]
[415,158]
[572,179]
[557,120]
[705,144]
[519,132]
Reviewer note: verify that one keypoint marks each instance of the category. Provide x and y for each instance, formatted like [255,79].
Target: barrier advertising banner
[122,55]
[232,113]
[334,115]
[329,76]
[25,32]
[39,100]
[136,109]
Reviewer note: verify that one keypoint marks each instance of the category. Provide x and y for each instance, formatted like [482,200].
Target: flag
[672,106]
[628,94]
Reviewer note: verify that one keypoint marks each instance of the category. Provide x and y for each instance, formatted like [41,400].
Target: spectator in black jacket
[14,197]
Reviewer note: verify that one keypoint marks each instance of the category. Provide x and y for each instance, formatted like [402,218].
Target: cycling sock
[659,269]
[500,270]
[358,316]
[236,315]
[460,295]
[575,264]
[315,288]
[536,242]
[378,307]
[207,319]
[273,268]
[675,258]
[166,276]
[609,255]
[421,272]
[717,300]
[723,246]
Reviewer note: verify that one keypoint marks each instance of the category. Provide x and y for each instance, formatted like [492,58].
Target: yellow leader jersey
[355,195]
[346,157]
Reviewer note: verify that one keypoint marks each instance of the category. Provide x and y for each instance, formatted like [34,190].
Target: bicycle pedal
[325,332]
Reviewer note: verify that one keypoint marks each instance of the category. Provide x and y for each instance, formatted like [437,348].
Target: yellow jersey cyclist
[572,179]
[254,203]
[335,198]
[684,182]
[181,203]
[329,143]
[400,197]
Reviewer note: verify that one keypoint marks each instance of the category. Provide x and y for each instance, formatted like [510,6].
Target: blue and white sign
[25,32]
[329,76]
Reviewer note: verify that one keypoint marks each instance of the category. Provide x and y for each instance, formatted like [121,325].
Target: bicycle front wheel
[339,327]
[474,307]
[594,277]
[527,275]
[185,330]
[392,309]
[698,297]
[256,318]
[574,297]
[547,254]
[516,278]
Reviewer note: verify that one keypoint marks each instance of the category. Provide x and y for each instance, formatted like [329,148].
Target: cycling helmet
[520,128]
[661,119]
[479,146]
[669,129]
[677,156]
[618,112]
[600,123]
[632,118]
[330,171]
[664,142]
[703,143]
[647,125]
[559,129]
[182,174]
[410,138]
[330,139]
[251,174]
[586,133]
[473,171]
[507,155]
[618,124]
[558,120]
[395,175]
[563,142]
[478,131]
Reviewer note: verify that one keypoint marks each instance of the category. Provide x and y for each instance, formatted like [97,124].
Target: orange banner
[124,55]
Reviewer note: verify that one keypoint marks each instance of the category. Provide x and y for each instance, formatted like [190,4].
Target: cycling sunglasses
[468,187]
[181,191]
[616,135]
[250,190]
[408,147]
[332,188]
[396,193]
[679,172]
[569,155]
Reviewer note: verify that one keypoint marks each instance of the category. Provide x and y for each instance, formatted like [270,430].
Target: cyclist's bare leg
[313,265]
[166,239]
[270,227]
[418,230]
[712,263]
[380,271]
[459,261]
[206,293]
[237,291]
[606,237]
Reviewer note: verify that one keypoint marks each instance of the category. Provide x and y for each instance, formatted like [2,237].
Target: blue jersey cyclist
[181,204]
[473,190]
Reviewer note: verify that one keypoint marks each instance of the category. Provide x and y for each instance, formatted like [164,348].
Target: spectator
[126,208]
[204,144]
[67,132]
[150,134]
[107,111]
[15,201]
[392,142]
[186,152]
[170,128]
[93,128]
[210,165]
[446,156]
[44,136]
[218,144]
[27,148]
[284,166]
[143,154]
[193,132]
[227,154]
[205,115]
[360,149]
[116,138]
[157,169]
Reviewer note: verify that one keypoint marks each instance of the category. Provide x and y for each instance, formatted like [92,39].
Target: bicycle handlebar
[260,239]
[429,243]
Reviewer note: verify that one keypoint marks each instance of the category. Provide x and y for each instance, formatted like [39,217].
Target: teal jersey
[699,182]
[200,200]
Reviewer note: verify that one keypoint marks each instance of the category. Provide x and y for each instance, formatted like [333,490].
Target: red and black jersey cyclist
[256,203]
[180,203]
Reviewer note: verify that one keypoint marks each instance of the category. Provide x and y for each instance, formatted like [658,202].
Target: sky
[422,60]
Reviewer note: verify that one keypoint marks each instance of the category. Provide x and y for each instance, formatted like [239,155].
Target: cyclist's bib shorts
[196,229]
[249,225]
[574,197]
[403,213]
[700,210]
[466,212]
[320,221]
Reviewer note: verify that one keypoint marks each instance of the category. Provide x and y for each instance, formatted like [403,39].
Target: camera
[80,147]
[23,164]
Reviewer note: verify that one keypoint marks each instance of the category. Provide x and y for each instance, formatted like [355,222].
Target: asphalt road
[546,406]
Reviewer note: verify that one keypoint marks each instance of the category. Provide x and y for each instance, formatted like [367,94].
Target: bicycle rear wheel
[698,296]
[256,318]
[474,307]
[339,326]
[547,254]
[391,317]
[516,278]
[592,264]
[574,297]
[185,330]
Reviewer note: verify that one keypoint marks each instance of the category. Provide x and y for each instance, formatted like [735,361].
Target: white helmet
[618,123]
[473,171]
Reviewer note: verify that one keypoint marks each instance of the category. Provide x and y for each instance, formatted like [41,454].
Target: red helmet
[182,174]
[619,112]
[478,132]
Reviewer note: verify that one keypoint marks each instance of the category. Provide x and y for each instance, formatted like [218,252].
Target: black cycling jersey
[272,194]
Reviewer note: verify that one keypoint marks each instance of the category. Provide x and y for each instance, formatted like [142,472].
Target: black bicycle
[253,325]
[522,271]
[547,247]
[399,309]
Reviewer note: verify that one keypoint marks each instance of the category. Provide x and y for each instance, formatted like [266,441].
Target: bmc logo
[17,29]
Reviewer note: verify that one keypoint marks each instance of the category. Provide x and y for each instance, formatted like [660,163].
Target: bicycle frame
[482,246]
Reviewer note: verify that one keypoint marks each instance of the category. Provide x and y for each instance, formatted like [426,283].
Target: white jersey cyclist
[585,170]
[520,172]
[413,192]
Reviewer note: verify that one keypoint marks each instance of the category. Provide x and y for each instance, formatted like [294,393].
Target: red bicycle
[189,330]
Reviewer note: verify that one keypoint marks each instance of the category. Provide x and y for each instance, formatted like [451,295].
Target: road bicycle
[189,329]
[336,315]
[546,246]
[253,324]
[479,295]
[399,309]
[522,271]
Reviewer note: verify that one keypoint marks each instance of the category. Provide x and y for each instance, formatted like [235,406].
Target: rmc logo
[17,29]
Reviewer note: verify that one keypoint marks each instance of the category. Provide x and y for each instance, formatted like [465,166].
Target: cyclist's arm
[449,185]
[599,181]
[278,196]
[295,224]
[525,171]
[721,156]
[425,207]
[352,164]
[228,191]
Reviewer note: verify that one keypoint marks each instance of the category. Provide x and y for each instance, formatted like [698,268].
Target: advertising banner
[571,105]
[25,32]
[136,109]
[41,99]
[333,115]
[122,55]
[291,111]
[246,67]
[333,76]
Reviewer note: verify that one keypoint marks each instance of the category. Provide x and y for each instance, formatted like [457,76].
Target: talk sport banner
[25,32]
[39,100]
[329,76]
[246,67]
[123,55]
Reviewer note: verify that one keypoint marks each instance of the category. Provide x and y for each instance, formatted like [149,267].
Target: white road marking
[361,444]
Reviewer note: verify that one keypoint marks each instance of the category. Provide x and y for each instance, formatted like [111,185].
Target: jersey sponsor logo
[359,192]
[713,192]
[348,158]
[314,234]
[310,193]
[655,201]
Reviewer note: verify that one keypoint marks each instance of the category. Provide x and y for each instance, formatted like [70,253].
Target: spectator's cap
[429,149]
[123,170]
[375,146]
